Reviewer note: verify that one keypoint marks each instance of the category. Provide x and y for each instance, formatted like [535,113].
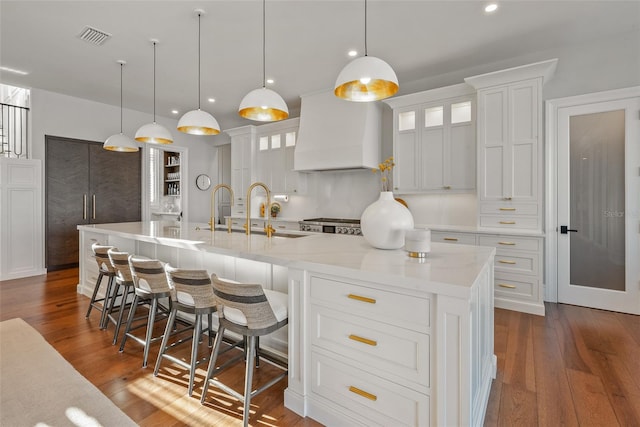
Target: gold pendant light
[198,122]
[153,133]
[367,78]
[119,141]
[262,104]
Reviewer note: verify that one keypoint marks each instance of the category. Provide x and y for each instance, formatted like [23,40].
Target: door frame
[552,108]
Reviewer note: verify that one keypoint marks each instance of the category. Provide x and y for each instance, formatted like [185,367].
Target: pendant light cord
[199,61]
[365,28]
[264,67]
[121,65]
[154,82]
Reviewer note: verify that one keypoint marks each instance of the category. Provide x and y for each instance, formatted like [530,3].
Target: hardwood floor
[576,366]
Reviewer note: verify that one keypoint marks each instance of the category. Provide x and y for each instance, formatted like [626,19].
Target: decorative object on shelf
[417,242]
[154,133]
[262,104]
[119,141]
[385,221]
[198,122]
[275,209]
[203,182]
[367,78]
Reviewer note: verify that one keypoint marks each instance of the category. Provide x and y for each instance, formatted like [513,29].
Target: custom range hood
[335,134]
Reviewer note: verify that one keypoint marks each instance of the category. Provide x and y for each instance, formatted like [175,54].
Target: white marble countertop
[477,230]
[448,269]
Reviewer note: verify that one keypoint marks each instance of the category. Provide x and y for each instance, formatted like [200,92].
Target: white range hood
[335,134]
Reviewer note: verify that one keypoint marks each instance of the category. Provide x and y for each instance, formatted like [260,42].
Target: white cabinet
[518,267]
[274,150]
[510,146]
[242,149]
[434,141]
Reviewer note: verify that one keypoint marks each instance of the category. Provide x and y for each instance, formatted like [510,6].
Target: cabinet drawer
[286,225]
[378,401]
[401,310]
[453,237]
[516,287]
[509,221]
[511,242]
[523,263]
[389,351]
[507,208]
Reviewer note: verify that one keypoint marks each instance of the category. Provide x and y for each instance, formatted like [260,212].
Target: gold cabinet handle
[84,206]
[361,298]
[506,198]
[450,239]
[504,285]
[507,209]
[507,222]
[363,393]
[282,226]
[94,206]
[507,243]
[504,261]
[363,340]
[447,187]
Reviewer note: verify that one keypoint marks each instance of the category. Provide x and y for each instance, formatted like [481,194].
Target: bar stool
[150,285]
[192,294]
[251,311]
[124,279]
[100,253]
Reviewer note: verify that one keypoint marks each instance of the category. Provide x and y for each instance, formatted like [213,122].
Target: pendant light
[262,104]
[154,133]
[367,78]
[198,122]
[119,141]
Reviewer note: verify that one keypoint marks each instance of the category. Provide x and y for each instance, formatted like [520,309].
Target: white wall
[66,116]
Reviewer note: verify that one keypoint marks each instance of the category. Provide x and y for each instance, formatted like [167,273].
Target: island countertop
[445,265]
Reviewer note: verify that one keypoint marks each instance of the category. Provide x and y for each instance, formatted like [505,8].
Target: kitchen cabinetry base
[525,307]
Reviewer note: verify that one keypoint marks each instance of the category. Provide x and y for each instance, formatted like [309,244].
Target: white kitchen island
[374,337]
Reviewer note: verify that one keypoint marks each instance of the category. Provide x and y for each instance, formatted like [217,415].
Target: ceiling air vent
[94,36]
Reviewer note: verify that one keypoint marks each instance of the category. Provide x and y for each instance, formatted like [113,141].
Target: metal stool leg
[165,339]
[107,302]
[121,313]
[248,380]
[127,329]
[150,322]
[212,362]
[95,293]
[197,329]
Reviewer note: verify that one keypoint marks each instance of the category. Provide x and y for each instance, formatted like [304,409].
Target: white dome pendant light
[154,133]
[262,104]
[198,122]
[367,78]
[119,141]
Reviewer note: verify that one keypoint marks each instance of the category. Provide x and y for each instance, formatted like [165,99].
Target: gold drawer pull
[507,222]
[450,239]
[504,285]
[360,298]
[282,226]
[502,261]
[507,209]
[507,243]
[363,340]
[363,393]
[447,187]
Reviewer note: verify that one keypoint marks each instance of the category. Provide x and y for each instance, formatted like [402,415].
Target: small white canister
[417,242]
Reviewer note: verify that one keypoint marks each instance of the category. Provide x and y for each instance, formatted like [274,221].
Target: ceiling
[306,44]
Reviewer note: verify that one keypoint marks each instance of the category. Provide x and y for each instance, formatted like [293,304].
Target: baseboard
[22,274]
[295,402]
[525,307]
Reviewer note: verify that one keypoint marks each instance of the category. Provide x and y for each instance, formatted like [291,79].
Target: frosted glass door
[598,204]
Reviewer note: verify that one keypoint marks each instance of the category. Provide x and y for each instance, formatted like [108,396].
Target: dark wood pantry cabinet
[86,184]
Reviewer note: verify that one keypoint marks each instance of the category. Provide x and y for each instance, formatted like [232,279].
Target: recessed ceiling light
[352,53]
[13,70]
[211,100]
[175,111]
[491,7]
[270,81]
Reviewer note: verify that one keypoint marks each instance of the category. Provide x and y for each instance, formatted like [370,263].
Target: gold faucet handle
[269,230]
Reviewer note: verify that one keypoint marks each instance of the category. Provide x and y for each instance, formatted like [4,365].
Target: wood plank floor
[576,366]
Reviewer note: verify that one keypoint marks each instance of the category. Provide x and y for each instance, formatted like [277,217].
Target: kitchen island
[374,337]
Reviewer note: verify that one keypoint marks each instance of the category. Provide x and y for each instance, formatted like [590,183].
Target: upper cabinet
[510,146]
[434,141]
[242,160]
[276,143]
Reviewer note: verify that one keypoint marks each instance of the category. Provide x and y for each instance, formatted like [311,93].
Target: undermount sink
[259,232]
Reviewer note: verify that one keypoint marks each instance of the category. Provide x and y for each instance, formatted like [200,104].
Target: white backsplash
[346,194]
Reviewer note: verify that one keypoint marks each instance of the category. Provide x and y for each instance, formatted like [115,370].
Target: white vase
[384,222]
